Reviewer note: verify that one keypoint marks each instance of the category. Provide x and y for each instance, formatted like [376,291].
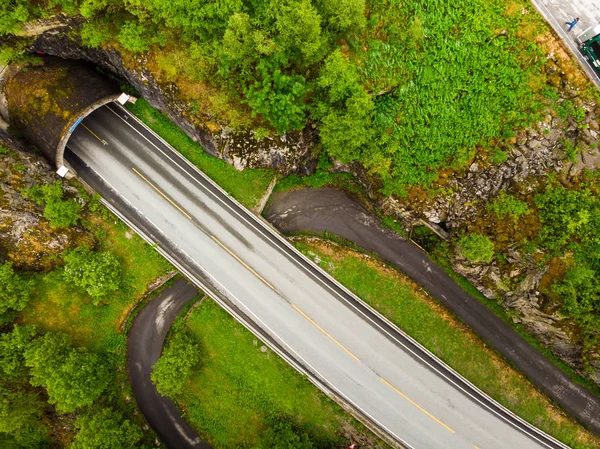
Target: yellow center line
[162,194]
[94,134]
[248,267]
[325,332]
[417,405]
[476,447]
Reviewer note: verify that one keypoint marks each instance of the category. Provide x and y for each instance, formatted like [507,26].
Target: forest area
[409,94]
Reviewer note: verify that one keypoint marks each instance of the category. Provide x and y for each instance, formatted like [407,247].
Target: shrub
[476,248]
[98,273]
[105,429]
[73,377]
[175,365]
[58,211]
[14,293]
[508,206]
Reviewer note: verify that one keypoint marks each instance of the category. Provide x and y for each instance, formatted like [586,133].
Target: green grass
[238,390]
[429,323]
[246,186]
[61,307]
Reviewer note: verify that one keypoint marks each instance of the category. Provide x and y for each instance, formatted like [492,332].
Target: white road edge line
[534,429]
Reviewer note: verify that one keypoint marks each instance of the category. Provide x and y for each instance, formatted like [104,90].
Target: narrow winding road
[331,210]
[343,346]
[144,347]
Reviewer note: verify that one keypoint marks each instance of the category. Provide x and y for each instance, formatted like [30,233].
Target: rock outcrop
[26,238]
[288,154]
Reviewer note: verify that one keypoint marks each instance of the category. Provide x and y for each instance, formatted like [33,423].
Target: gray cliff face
[26,238]
[288,154]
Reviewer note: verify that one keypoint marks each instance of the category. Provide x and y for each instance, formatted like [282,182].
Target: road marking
[418,406]
[95,135]
[476,447]
[162,194]
[271,236]
[248,267]
[325,332]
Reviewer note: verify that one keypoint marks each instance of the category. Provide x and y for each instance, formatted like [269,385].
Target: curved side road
[319,210]
[144,347]
[342,345]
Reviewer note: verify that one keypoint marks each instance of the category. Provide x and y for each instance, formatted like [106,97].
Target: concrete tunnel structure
[46,102]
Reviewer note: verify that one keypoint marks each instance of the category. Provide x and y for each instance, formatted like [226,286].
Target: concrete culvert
[43,102]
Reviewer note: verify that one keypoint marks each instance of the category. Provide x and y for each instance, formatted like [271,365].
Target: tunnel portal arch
[45,101]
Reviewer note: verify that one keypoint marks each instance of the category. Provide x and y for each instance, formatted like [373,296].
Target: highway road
[315,324]
[557,12]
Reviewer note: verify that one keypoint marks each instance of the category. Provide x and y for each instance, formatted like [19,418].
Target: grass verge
[241,388]
[246,186]
[405,304]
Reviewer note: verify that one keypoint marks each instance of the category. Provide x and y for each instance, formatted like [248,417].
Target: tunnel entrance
[47,101]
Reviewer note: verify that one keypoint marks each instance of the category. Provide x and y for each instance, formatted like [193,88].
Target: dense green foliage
[20,423]
[405,88]
[476,247]
[14,293]
[98,273]
[571,222]
[72,376]
[176,363]
[105,429]
[508,206]
[58,211]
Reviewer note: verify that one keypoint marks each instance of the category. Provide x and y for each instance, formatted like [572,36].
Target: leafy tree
[20,413]
[278,98]
[580,292]
[299,26]
[73,377]
[175,365]
[476,248]
[569,217]
[137,37]
[347,134]
[98,273]
[95,33]
[12,348]
[14,294]
[508,206]
[105,429]
[58,211]
[341,15]
[12,14]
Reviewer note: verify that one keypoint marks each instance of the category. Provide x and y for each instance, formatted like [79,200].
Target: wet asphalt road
[144,347]
[319,210]
[345,348]
[557,12]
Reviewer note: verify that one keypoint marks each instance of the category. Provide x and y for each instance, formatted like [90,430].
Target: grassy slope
[57,306]
[246,186]
[238,388]
[406,305]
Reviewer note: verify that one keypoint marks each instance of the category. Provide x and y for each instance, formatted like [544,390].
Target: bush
[105,429]
[72,377]
[98,273]
[281,434]
[175,365]
[508,206]
[14,294]
[58,211]
[476,248]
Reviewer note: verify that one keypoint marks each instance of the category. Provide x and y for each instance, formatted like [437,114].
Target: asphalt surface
[331,210]
[144,347]
[558,12]
[317,326]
